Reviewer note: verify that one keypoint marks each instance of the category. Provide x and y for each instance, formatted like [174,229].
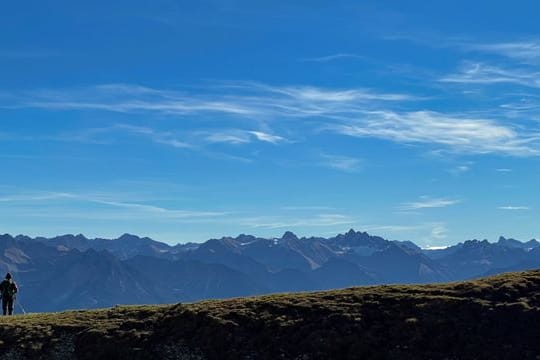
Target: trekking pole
[20,305]
[16,300]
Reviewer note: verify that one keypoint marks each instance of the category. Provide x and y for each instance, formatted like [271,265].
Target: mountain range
[74,272]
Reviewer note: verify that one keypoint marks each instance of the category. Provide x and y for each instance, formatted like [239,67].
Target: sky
[190,120]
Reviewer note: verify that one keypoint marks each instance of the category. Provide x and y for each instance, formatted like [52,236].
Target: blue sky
[186,120]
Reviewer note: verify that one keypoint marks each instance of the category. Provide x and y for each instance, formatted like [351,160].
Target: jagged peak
[289,235]
[475,243]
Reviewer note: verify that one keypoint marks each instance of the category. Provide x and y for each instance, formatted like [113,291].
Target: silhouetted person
[8,289]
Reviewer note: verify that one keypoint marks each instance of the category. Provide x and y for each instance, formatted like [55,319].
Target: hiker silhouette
[8,289]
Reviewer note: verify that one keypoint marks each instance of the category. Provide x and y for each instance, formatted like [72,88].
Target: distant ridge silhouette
[73,272]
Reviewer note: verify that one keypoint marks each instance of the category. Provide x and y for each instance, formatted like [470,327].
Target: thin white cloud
[50,198]
[237,136]
[307,208]
[193,140]
[457,133]
[36,197]
[480,73]
[228,138]
[322,95]
[522,50]
[342,163]
[461,169]
[504,170]
[266,137]
[392,228]
[278,222]
[173,213]
[510,207]
[171,142]
[527,103]
[333,57]
[105,135]
[429,203]
[439,232]
[354,112]
[248,100]
[160,137]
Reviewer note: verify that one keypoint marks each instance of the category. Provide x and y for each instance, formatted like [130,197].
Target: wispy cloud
[228,137]
[504,170]
[333,57]
[50,199]
[439,232]
[160,137]
[342,163]
[525,50]
[481,73]
[244,99]
[510,207]
[521,50]
[322,95]
[356,112]
[33,197]
[266,137]
[193,140]
[172,213]
[458,133]
[127,98]
[392,228]
[279,222]
[105,135]
[461,169]
[307,208]
[429,203]
[238,136]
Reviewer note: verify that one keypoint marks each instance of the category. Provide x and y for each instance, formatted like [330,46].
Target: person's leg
[4,305]
[10,306]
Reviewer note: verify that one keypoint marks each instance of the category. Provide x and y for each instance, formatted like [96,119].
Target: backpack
[8,289]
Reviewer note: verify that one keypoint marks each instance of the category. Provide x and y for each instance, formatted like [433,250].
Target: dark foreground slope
[492,318]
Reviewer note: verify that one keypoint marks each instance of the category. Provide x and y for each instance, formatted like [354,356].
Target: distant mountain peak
[513,243]
[128,236]
[476,243]
[243,238]
[289,236]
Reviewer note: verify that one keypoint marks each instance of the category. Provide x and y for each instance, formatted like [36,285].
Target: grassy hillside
[492,318]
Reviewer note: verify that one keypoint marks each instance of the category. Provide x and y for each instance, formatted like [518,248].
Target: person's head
[8,276]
